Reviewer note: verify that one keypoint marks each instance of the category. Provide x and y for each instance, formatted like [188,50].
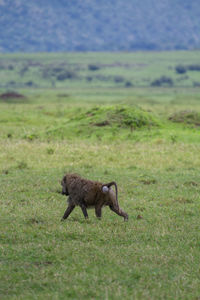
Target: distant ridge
[99,25]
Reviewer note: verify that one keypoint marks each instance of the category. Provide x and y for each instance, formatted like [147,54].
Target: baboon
[86,194]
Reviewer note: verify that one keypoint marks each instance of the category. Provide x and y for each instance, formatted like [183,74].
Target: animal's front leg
[68,211]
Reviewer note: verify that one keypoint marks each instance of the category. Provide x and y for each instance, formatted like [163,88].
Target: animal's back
[83,188]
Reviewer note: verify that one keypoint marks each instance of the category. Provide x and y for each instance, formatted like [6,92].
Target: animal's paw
[126,218]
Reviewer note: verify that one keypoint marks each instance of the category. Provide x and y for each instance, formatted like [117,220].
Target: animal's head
[64,186]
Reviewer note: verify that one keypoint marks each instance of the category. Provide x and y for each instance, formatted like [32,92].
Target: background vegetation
[97,70]
[143,135]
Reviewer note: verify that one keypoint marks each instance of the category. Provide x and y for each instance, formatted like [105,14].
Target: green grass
[156,166]
[155,257]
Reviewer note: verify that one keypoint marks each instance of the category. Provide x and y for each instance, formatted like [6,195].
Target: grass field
[144,137]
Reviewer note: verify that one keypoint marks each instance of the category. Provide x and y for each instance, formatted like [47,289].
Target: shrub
[9,135]
[29,83]
[196,84]
[10,67]
[66,75]
[162,81]
[194,67]
[92,67]
[128,84]
[181,69]
[89,78]
[118,79]
[50,151]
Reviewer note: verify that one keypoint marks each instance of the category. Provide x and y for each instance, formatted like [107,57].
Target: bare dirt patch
[11,95]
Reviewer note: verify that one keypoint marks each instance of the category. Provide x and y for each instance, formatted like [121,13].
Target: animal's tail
[109,185]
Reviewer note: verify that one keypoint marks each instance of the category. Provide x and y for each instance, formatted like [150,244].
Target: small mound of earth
[187,117]
[120,116]
[11,95]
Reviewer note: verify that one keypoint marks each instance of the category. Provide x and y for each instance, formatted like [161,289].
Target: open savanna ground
[144,137]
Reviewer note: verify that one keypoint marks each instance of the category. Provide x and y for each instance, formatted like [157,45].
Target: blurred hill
[99,25]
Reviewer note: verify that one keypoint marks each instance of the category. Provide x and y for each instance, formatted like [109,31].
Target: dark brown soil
[103,123]
[11,95]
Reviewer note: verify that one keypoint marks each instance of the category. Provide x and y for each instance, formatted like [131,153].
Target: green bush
[163,81]
[180,69]
[195,67]
[119,79]
[93,67]
[66,75]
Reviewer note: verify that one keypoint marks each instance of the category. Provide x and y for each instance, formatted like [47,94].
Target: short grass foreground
[155,255]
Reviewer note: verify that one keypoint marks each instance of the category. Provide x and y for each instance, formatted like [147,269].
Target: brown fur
[86,193]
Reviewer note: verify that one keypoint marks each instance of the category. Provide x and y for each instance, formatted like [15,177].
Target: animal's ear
[105,189]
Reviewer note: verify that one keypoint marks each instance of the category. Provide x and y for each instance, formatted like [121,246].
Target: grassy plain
[55,129]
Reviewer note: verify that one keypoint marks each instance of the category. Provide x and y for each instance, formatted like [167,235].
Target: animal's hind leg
[98,210]
[84,210]
[68,211]
[120,212]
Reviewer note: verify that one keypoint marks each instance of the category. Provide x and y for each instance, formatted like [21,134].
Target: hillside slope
[98,25]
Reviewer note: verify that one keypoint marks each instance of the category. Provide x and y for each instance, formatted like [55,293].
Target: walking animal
[86,194]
